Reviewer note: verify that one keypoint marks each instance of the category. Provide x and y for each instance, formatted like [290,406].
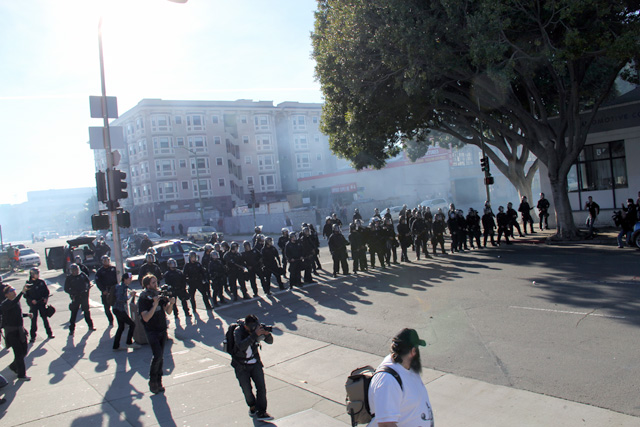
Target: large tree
[523,70]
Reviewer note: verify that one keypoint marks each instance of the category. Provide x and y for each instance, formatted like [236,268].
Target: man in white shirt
[402,403]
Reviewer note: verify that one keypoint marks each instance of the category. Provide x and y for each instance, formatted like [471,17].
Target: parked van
[201,233]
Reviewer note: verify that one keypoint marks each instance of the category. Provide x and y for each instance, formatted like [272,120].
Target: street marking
[197,372]
[569,312]
[180,352]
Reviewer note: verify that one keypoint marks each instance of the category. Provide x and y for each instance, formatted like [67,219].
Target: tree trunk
[566,228]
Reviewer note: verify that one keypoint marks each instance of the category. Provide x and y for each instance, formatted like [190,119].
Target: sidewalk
[81,381]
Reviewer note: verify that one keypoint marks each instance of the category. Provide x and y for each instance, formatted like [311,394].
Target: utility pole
[484,162]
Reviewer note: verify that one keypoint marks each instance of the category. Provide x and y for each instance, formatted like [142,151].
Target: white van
[201,233]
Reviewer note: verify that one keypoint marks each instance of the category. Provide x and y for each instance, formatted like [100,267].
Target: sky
[201,50]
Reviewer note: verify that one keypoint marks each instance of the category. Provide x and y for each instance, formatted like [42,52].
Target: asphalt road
[572,334]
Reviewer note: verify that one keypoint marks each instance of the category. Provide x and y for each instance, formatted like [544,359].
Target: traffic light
[484,163]
[100,222]
[488,180]
[253,194]
[101,187]
[117,184]
[124,219]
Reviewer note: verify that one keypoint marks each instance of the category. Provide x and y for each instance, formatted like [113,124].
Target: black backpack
[357,387]
[229,341]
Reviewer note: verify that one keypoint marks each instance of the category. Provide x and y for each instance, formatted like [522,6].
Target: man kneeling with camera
[153,306]
[246,362]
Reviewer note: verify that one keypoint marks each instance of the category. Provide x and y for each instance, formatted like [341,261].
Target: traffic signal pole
[113,214]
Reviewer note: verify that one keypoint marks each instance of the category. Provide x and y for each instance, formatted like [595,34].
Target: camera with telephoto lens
[268,328]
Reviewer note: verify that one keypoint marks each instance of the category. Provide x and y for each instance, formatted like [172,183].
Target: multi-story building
[207,156]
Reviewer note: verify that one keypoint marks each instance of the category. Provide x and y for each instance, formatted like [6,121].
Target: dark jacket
[176,281]
[152,268]
[106,277]
[270,257]
[38,291]
[338,244]
[294,251]
[252,259]
[12,313]
[234,263]
[217,270]
[194,273]
[77,285]
[244,339]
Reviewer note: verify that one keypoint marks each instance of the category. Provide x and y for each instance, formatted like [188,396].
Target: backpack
[357,387]
[229,341]
[111,296]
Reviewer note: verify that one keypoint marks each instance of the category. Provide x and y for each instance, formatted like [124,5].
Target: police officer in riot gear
[150,267]
[235,271]
[178,284]
[196,277]
[338,248]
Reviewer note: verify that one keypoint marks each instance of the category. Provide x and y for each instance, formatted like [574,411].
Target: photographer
[248,366]
[153,309]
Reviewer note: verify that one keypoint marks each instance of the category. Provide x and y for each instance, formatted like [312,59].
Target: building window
[162,145]
[263,143]
[261,122]
[198,144]
[314,119]
[249,180]
[245,139]
[298,122]
[132,149]
[142,146]
[178,120]
[215,120]
[130,129]
[216,140]
[220,182]
[165,168]
[183,163]
[304,174]
[199,166]
[266,163]
[316,138]
[167,190]
[160,123]
[318,156]
[300,142]
[180,142]
[247,160]
[203,186]
[243,120]
[185,185]
[139,123]
[195,122]
[303,161]
[219,161]
[599,167]
[267,183]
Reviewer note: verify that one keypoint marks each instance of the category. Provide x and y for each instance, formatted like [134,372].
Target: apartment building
[207,156]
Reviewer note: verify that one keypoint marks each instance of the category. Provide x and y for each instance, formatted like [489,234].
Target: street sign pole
[110,164]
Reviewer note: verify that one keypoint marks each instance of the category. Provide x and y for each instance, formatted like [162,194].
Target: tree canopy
[391,70]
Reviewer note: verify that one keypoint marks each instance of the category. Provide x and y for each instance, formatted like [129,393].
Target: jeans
[590,221]
[14,340]
[627,233]
[157,341]
[107,308]
[123,319]
[247,372]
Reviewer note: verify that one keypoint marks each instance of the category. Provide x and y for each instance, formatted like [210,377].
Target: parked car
[59,257]
[131,245]
[29,258]
[176,249]
[200,234]
[435,204]
[48,235]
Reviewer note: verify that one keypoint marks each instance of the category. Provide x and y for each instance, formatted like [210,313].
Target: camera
[165,292]
[268,328]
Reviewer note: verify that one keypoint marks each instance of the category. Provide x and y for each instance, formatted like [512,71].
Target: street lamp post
[195,156]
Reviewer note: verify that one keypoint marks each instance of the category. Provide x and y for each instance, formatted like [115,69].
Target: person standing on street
[401,401]
[525,209]
[37,295]
[248,367]
[338,248]
[594,211]
[271,262]
[196,275]
[235,272]
[77,285]
[512,215]
[120,311]
[174,278]
[503,224]
[154,309]
[106,279]
[150,267]
[15,335]
[543,211]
